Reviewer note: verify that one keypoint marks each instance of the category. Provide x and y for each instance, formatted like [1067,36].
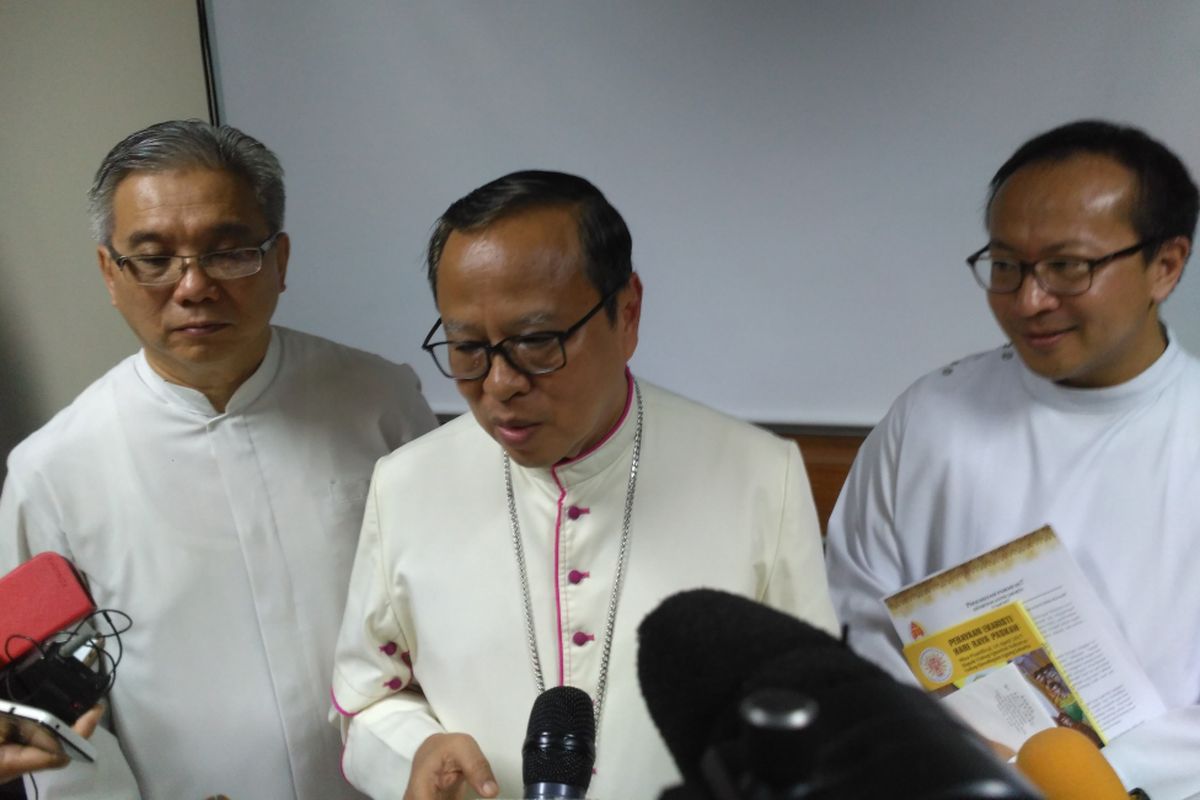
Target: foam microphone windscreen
[560,742]
[875,737]
[702,652]
[1066,765]
[695,652]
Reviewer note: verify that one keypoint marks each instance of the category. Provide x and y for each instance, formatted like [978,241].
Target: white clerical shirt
[228,538]
[984,450]
[435,600]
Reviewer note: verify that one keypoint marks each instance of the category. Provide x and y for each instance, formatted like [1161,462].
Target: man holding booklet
[1087,421]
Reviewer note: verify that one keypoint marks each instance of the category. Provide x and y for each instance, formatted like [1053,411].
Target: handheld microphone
[560,745]
[694,653]
[1066,765]
[831,726]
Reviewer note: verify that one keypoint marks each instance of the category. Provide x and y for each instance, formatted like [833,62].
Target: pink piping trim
[612,431]
[562,493]
[337,706]
[342,754]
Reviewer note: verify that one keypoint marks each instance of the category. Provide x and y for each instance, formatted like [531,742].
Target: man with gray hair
[210,486]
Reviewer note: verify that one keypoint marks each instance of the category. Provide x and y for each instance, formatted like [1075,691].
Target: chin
[530,460]
[1047,365]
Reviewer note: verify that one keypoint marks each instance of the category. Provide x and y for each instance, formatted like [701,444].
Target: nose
[194,285]
[1031,299]
[503,381]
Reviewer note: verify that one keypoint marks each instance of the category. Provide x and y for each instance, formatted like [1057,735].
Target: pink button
[575,576]
[580,638]
[575,512]
[389,649]
[395,684]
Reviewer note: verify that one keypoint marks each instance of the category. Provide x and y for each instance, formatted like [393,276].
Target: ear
[283,250]
[1166,268]
[629,314]
[109,270]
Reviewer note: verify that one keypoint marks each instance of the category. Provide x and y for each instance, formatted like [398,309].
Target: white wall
[75,78]
[802,179]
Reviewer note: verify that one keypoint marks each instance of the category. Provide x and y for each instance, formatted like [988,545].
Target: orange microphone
[1066,765]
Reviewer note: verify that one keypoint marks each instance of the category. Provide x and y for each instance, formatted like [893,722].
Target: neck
[217,381]
[1152,343]
[614,420]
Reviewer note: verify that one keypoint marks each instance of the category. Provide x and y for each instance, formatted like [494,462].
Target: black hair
[603,236]
[1166,202]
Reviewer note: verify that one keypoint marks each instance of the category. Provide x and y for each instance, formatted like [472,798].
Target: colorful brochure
[1028,606]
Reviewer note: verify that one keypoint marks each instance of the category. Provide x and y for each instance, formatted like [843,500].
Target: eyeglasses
[223,265]
[1058,276]
[530,354]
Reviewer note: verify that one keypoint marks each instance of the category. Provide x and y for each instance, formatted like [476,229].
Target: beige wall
[75,77]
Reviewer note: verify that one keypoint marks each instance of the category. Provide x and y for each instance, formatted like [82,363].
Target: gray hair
[183,144]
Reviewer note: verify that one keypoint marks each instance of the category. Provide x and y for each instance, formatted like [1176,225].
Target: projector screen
[803,180]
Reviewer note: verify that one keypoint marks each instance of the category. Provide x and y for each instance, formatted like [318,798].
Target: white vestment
[718,503]
[228,538]
[985,450]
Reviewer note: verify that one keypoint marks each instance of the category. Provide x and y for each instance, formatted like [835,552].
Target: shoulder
[308,357]
[943,410]
[969,374]
[689,427]
[88,419]
[963,385]
[454,448]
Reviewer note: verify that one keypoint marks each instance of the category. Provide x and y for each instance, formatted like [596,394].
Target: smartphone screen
[33,726]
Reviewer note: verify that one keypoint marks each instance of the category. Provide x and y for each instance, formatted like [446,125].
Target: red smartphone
[39,599]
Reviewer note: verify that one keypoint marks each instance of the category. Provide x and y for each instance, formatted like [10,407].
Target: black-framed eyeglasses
[1062,276]
[222,265]
[530,353]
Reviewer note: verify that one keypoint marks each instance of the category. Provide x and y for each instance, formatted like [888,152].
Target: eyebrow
[1057,247]
[537,319]
[224,230]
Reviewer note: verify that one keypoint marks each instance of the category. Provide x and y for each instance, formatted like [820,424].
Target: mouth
[514,433]
[199,328]
[1045,340]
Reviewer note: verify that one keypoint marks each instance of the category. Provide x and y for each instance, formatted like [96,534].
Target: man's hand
[41,751]
[445,764]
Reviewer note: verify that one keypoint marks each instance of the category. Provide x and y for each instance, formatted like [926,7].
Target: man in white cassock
[519,547]
[210,486]
[1088,420]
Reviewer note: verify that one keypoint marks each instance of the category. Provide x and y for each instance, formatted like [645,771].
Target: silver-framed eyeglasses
[222,265]
[530,353]
[1062,275]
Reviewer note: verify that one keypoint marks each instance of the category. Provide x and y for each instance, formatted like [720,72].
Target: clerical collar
[1107,399]
[612,448]
[195,402]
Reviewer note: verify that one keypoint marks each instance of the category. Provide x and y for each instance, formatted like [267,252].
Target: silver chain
[618,577]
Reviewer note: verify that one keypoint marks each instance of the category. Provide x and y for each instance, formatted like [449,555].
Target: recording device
[38,599]
[1065,765]
[51,651]
[560,745]
[20,724]
[756,705]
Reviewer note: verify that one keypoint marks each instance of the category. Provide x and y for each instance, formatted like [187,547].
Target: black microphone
[560,745]
[695,652]
[756,705]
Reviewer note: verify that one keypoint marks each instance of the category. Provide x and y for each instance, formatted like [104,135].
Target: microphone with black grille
[757,705]
[560,745]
